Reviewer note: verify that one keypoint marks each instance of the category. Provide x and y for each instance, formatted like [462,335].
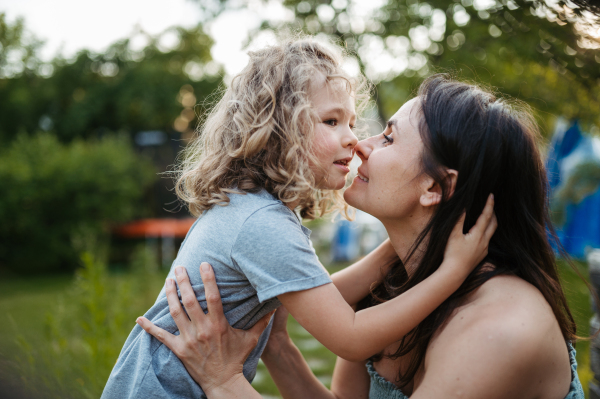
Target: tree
[125,89]
[53,195]
[542,53]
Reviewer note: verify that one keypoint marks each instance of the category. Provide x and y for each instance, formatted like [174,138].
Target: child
[279,140]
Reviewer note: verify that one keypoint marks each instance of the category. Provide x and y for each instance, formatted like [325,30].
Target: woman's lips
[362,178]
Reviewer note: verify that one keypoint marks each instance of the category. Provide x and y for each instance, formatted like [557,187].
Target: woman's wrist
[277,344]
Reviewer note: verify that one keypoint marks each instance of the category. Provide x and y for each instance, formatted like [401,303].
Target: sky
[71,25]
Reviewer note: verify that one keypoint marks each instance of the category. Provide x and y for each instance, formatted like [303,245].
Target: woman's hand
[465,251]
[211,350]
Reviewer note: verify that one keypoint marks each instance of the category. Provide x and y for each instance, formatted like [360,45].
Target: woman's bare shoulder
[505,301]
[502,338]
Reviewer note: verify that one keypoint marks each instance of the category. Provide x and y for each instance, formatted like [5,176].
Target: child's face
[334,140]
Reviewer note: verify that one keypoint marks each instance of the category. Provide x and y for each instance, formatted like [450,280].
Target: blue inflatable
[569,149]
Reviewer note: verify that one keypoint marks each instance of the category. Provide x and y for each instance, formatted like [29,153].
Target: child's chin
[333,185]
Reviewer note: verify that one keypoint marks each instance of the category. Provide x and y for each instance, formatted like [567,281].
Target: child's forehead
[322,90]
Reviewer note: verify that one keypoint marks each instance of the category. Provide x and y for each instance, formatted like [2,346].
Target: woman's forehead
[408,112]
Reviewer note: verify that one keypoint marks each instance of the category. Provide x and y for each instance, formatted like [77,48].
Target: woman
[506,333]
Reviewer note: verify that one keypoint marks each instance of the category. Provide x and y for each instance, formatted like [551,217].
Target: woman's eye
[388,139]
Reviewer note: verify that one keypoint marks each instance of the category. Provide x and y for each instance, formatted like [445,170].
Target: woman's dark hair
[492,145]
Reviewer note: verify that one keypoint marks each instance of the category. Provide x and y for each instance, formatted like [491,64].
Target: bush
[51,193]
[86,331]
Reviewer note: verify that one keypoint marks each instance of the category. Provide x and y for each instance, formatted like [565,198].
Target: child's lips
[342,164]
[342,167]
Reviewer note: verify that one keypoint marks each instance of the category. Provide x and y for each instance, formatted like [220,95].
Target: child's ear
[432,193]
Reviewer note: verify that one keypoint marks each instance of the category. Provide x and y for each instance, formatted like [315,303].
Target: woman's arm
[355,281]
[289,370]
[324,313]
[295,379]
[350,380]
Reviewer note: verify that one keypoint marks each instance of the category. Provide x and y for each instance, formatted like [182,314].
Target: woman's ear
[432,193]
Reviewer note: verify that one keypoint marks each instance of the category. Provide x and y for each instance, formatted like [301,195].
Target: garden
[88,143]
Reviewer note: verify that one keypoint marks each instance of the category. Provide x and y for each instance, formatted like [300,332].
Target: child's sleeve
[275,254]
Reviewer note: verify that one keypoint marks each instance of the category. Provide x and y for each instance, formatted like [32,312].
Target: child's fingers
[175,308]
[491,229]
[458,227]
[188,296]
[484,219]
[211,291]
[163,336]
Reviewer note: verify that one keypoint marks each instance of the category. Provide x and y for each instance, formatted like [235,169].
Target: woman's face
[334,139]
[388,185]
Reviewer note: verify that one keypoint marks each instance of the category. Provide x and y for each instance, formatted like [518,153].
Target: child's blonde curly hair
[260,134]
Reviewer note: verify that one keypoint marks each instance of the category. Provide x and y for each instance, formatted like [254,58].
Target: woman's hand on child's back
[211,350]
[465,251]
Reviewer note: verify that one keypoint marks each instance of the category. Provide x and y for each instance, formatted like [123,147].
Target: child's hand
[465,251]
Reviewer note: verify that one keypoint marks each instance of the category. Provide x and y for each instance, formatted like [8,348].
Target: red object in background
[155,228]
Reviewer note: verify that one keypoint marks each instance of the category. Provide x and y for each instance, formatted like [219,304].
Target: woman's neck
[403,235]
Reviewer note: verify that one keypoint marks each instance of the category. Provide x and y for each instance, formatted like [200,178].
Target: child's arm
[355,281]
[324,313]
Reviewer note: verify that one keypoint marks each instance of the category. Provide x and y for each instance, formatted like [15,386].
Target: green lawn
[76,350]
[578,297]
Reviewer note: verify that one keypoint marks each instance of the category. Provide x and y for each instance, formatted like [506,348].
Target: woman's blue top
[382,389]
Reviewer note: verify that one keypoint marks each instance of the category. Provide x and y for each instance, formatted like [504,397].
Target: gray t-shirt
[258,250]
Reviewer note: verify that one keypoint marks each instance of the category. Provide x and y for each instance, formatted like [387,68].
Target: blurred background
[97,99]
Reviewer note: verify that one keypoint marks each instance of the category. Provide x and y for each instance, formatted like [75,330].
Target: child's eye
[330,122]
[388,139]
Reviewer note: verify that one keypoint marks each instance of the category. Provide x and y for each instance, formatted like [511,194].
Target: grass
[70,348]
[578,297]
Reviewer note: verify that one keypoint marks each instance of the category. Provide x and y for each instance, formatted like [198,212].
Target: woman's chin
[350,196]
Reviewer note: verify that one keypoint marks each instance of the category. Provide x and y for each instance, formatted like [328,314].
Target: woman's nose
[363,149]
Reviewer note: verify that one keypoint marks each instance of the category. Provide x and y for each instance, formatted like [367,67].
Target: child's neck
[293,205]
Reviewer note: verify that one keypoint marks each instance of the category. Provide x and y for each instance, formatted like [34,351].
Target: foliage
[18,50]
[84,333]
[542,52]
[126,89]
[51,194]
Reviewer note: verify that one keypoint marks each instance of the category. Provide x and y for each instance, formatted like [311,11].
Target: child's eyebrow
[391,123]
[339,110]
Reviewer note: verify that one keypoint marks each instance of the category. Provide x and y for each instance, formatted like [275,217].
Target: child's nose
[349,139]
